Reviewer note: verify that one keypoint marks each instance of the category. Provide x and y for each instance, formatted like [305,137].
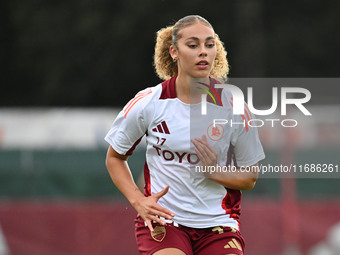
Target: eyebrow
[196,39]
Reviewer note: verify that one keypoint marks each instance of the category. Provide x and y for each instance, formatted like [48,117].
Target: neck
[186,88]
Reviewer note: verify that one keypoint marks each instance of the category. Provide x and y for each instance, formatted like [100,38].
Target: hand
[205,152]
[149,210]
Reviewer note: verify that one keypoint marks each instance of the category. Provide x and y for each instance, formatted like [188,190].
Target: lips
[202,63]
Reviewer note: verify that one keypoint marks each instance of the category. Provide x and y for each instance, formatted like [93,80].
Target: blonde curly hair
[164,64]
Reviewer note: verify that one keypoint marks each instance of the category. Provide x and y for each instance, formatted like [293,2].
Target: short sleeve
[248,149]
[129,127]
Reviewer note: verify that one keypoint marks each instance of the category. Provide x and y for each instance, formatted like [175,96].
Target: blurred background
[68,68]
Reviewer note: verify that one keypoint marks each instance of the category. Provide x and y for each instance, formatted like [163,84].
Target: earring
[174,59]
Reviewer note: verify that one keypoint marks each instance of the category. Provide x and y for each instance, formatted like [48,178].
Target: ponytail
[164,65]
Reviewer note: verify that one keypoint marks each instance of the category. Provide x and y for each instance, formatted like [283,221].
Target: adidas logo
[233,244]
[162,128]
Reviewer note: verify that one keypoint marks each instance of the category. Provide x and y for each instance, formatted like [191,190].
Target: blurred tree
[99,53]
[302,38]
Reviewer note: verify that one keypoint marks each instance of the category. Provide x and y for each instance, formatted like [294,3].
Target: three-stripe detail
[233,244]
[162,128]
[133,101]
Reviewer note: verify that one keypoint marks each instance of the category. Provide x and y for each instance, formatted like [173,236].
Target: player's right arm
[126,131]
[121,176]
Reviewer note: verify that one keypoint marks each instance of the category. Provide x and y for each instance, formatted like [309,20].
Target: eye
[192,46]
[210,45]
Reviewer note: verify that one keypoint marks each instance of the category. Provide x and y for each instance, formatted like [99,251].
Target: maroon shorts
[206,241]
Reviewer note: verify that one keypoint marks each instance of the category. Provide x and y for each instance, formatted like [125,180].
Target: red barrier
[62,228]
[262,224]
[68,228]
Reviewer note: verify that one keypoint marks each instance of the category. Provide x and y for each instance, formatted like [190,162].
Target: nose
[203,52]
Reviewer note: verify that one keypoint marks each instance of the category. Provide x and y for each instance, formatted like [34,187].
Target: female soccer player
[184,210]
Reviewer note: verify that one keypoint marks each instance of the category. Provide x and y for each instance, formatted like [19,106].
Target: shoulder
[146,97]
[142,99]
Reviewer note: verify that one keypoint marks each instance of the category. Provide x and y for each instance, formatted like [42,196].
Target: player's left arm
[243,178]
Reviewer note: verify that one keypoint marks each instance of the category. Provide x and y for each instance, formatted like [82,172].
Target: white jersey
[169,126]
